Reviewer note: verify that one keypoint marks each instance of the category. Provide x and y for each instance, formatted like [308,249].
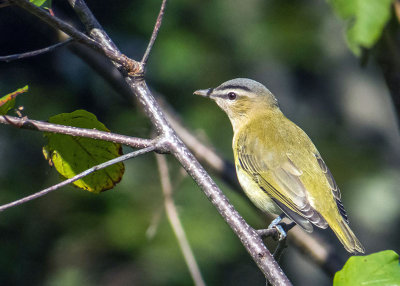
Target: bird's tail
[347,236]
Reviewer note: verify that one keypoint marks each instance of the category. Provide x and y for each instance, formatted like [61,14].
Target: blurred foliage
[380,268]
[296,48]
[366,20]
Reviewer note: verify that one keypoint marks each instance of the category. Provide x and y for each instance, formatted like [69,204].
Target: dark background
[296,48]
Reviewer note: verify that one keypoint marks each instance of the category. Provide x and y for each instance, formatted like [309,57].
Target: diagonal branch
[130,65]
[175,222]
[93,27]
[30,54]
[77,177]
[154,34]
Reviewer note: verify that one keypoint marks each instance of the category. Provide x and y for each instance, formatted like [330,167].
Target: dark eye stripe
[239,87]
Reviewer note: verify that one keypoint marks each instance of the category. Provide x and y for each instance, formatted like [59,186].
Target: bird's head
[240,98]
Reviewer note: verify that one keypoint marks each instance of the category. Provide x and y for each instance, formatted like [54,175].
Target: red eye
[232,96]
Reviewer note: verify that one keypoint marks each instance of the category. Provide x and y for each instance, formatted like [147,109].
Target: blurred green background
[296,48]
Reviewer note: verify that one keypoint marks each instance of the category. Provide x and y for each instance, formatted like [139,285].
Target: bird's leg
[276,224]
[277,229]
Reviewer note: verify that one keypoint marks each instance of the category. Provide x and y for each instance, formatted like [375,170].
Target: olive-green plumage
[278,166]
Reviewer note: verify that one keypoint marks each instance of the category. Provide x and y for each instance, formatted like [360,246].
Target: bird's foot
[276,224]
[277,229]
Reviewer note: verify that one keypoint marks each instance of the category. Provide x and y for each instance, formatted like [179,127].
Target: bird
[277,165]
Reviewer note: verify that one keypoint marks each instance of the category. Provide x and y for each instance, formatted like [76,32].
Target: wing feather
[282,182]
[334,187]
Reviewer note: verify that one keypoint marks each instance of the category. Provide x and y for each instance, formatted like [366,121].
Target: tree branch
[154,34]
[36,125]
[77,177]
[175,222]
[131,66]
[30,54]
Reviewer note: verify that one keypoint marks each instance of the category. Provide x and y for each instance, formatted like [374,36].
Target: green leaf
[73,155]
[45,3]
[381,268]
[366,20]
[7,102]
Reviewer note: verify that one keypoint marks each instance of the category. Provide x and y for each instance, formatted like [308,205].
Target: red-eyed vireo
[278,166]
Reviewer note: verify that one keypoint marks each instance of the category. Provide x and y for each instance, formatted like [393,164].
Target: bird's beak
[203,92]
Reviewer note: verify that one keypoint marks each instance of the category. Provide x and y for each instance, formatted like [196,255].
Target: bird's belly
[257,196]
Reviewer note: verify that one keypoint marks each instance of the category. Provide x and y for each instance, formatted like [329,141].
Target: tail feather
[347,237]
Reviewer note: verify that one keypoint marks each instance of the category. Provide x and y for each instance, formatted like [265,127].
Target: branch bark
[133,142]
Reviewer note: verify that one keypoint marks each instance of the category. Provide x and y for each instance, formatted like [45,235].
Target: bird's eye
[232,96]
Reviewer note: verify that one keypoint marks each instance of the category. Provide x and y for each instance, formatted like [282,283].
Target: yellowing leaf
[73,155]
[7,102]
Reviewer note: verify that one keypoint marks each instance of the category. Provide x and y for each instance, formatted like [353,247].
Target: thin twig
[154,34]
[36,125]
[34,53]
[175,222]
[130,65]
[77,177]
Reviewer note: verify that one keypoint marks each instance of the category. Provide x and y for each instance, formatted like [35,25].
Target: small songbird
[277,165]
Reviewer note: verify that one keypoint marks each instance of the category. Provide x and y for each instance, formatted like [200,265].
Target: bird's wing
[334,187]
[279,178]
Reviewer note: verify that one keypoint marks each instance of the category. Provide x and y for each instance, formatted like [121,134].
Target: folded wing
[280,179]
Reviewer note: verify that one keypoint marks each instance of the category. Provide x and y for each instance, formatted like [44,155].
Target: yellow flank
[278,166]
